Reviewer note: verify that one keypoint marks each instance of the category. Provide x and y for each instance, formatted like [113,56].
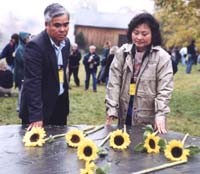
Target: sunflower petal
[34,137]
[119,140]
[74,138]
[87,150]
[175,151]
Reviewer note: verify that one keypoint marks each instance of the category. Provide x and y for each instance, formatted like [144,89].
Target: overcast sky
[33,9]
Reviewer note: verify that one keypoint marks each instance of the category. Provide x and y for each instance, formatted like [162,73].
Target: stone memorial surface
[58,158]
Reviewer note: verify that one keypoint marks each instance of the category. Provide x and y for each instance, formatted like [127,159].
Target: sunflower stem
[124,128]
[156,132]
[104,140]
[88,128]
[48,138]
[52,137]
[59,135]
[186,135]
[95,130]
[163,166]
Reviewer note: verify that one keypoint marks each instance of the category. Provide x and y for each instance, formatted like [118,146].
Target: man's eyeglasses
[59,25]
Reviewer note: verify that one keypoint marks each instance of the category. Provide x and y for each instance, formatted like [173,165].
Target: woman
[24,38]
[140,78]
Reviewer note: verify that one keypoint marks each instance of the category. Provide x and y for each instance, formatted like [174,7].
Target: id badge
[132,89]
[61,75]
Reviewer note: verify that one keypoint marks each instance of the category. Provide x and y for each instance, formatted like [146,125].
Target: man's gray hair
[92,47]
[54,10]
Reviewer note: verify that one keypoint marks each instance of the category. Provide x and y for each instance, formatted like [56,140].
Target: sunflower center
[75,139]
[177,152]
[34,138]
[87,151]
[118,140]
[152,144]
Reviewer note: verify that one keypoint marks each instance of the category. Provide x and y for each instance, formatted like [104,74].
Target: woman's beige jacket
[154,86]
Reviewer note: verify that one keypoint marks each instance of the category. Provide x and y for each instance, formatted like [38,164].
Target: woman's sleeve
[164,85]
[114,85]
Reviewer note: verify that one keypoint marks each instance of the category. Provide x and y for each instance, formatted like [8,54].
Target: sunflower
[175,151]
[34,137]
[119,140]
[151,143]
[87,150]
[90,166]
[74,137]
[85,171]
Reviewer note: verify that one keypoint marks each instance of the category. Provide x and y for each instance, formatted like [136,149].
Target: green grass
[185,103]
[88,107]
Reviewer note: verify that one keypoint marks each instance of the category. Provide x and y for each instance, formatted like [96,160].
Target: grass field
[88,107]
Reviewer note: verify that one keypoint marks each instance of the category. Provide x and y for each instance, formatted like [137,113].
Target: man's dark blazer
[41,81]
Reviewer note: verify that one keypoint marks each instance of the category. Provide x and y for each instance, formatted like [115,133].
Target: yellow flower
[74,137]
[151,143]
[90,166]
[34,137]
[175,151]
[85,171]
[119,140]
[87,150]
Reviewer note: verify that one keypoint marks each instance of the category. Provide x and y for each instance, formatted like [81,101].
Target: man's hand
[35,124]
[160,124]
[109,119]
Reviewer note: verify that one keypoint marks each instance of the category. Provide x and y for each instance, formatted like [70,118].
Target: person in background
[191,49]
[174,60]
[74,59]
[44,98]
[91,62]
[109,60]
[140,78]
[176,54]
[183,53]
[6,79]
[8,51]
[24,38]
[105,53]
[106,49]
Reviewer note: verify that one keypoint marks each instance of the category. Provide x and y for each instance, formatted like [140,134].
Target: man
[74,59]
[44,99]
[9,49]
[91,62]
[191,48]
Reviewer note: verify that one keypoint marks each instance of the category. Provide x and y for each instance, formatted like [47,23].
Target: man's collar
[62,43]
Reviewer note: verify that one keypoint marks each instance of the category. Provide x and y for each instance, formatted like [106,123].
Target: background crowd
[96,63]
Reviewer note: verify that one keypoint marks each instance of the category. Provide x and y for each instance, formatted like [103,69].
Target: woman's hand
[109,119]
[160,124]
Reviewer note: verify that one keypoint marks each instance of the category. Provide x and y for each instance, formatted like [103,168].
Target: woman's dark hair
[145,18]
[15,36]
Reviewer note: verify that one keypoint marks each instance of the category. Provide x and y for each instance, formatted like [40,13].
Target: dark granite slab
[58,158]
